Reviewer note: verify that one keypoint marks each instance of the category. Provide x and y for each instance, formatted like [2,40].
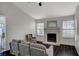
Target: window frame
[38,30]
[68,29]
[49,22]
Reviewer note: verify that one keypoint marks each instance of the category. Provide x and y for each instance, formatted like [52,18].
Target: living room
[52,24]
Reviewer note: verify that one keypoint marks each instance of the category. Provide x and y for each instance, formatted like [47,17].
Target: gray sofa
[27,49]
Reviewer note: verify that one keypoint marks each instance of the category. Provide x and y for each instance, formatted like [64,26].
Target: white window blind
[52,24]
[68,29]
[40,29]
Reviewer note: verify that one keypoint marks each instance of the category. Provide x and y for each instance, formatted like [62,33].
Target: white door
[2,34]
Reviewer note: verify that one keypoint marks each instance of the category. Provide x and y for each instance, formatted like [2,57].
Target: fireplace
[51,37]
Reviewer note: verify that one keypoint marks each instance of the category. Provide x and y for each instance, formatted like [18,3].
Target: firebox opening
[51,37]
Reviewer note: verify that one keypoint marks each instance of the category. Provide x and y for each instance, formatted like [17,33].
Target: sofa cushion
[40,46]
[37,52]
[14,49]
[24,49]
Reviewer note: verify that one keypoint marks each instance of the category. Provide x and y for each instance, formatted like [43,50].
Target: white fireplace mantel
[57,32]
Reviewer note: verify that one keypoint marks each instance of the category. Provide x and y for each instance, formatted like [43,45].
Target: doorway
[2,33]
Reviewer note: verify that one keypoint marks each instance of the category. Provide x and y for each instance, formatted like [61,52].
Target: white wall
[77,32]
[17,22]
[59,20]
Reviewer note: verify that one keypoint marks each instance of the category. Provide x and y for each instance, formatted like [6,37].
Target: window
[52,24]
[68,29]
[40,29]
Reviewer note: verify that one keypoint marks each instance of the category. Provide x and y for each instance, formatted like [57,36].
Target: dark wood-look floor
[65,50]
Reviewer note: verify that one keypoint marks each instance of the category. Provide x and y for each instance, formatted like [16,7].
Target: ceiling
[48,9]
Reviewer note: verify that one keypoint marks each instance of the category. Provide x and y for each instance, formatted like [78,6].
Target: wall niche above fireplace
[51,37]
